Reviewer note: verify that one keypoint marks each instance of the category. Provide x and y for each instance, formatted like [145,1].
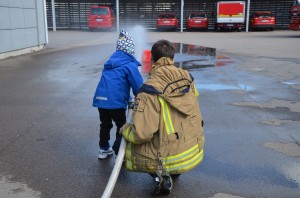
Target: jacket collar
[164,61]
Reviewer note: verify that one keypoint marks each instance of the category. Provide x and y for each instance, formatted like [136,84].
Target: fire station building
[24,23]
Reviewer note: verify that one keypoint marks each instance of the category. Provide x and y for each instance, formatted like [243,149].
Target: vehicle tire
[272,29]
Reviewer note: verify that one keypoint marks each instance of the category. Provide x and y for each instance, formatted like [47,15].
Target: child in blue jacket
[120,73]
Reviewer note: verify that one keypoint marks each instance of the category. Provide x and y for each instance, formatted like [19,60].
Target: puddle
[194,56]
[189,57]
[215,87]
[222,60]
[219,87]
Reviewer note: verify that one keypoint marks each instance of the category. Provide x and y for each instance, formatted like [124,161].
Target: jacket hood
[174,84]
[119,58]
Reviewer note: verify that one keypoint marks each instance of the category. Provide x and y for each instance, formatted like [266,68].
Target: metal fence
[73,14]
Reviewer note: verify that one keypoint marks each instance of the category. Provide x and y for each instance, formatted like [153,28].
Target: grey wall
[22,24]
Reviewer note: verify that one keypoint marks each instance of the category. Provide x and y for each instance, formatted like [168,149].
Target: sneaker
[103,154]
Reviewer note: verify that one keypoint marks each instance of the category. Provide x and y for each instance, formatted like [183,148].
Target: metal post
[181,16]
[37,23]
[53,15]
[180,51]
[46,23]
[118,16]
[248,11]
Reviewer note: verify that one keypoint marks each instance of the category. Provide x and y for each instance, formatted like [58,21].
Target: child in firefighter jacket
[167,127]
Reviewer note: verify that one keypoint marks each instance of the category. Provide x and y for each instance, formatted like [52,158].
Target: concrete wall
[22,26]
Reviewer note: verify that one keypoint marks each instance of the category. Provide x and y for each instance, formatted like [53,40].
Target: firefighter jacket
[167,127]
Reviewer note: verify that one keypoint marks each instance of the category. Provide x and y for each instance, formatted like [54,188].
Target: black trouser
[106,117]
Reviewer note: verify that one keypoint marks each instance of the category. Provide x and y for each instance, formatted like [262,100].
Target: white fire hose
[118,164]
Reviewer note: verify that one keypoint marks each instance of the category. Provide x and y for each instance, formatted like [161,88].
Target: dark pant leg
[119,117]
[105,127]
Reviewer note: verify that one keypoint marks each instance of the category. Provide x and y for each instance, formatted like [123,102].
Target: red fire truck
[295,16]
[230,15]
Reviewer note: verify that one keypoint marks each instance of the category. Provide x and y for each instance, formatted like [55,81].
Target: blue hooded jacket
[120,73]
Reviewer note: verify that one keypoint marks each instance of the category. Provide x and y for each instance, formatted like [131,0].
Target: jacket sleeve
[145,119]
[135,78]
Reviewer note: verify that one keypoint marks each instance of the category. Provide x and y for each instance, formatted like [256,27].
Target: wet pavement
[250,101]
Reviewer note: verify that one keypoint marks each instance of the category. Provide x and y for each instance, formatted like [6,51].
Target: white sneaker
[103,154]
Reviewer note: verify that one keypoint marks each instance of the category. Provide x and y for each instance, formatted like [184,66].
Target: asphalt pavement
[249,98]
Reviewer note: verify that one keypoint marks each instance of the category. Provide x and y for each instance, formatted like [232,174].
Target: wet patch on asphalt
[291,149]
[281,69]
[225,195]
[278,122]
[293,106]
[16,189]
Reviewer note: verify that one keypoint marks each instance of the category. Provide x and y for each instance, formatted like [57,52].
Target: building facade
[72,14]
[23,26]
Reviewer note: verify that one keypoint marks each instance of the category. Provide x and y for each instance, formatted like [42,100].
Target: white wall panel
[30,18]
[16,16]
[19,39]
[4,18]
[5,41]
[29,3]
[4,3]
[31,37]
[16,3]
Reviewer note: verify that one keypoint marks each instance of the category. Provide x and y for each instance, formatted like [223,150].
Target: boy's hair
[162,48]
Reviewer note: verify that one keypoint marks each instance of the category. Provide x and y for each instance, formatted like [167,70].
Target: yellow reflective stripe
[128,156]
[187,165]
[128,135]
[182,156]
[196,91]
[131,137]
[166,115]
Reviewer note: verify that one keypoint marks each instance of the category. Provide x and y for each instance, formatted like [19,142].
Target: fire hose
[119,161]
